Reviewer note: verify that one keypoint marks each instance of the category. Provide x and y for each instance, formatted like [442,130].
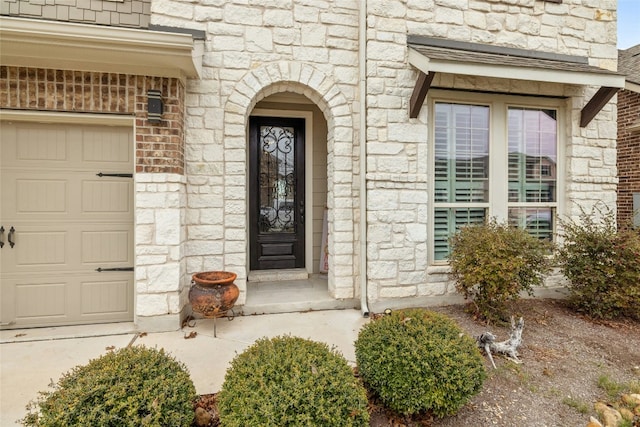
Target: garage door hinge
[117,175]
[100,269]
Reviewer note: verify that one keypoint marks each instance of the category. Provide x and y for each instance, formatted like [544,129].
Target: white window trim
[498,181]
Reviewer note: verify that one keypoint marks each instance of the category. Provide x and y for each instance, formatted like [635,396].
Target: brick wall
[119,13]
[159,147]
[628,153]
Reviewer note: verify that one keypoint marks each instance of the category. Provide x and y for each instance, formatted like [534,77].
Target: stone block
[408,132]
[203,247]
[167,227]
[392,164]
[258,39]
[144,234]
[449,16]
[382,270]
[151,305]
[150,260]
[164,277]
[412,277]
[432,289]
[416,232]
[385,51]
[205,232]
[173,9]
[397,291]
[382,200]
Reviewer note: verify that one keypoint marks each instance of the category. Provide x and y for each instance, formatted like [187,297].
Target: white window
[493,156]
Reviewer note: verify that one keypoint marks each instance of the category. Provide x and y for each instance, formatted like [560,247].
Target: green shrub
[290,381]
[494,263]
[418,360]
[134,386]
[602,265]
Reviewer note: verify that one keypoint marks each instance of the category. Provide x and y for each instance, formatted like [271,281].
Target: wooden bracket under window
[593,107]
[420,93]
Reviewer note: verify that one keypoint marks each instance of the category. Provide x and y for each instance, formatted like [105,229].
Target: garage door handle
[117,175]
[11,233]
[1,237]
[100,269]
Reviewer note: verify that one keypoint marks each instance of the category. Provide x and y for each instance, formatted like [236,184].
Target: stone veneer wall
[628,153]
[117,13]
[253,50]
[160,184]
[397,172]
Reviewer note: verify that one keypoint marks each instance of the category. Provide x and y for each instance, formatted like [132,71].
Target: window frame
[498,204]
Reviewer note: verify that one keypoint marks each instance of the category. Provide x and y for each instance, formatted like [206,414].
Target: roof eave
[83,47]
[631,86]
[609,83]
[427,65]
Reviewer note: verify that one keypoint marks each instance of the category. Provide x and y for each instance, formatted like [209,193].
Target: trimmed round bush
[134,386]
[419,360]
[494,263]
[290,381]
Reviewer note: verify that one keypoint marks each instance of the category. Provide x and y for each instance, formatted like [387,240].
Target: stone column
[160,279]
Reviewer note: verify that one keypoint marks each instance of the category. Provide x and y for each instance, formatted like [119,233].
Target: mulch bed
[206,414]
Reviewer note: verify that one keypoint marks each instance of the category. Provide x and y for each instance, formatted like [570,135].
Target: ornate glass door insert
[277,179]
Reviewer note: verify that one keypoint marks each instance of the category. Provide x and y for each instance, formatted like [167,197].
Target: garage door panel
[80,299]
[74,248]
[70,196]
[106,196]
[102,146]
[61,146]
[42,143]
[41,196]
[39,300]
[68,224]
[107,247]
[40,249]
[105,297]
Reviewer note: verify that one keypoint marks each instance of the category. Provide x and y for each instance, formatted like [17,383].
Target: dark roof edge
[196,34]
[500,50]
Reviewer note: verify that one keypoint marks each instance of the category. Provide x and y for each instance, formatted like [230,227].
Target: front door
[276,192]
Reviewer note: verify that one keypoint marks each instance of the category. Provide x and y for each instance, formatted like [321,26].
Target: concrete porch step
[269,276]
[290,296]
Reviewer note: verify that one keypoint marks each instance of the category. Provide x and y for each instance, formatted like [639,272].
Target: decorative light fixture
[154,106]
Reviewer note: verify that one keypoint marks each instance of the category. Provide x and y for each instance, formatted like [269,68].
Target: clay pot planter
[213,293]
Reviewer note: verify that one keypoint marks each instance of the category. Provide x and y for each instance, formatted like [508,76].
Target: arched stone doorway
[279,87]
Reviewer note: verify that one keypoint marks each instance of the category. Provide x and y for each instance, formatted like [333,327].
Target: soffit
[83,47]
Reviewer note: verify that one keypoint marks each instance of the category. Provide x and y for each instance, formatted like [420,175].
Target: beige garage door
[66,232]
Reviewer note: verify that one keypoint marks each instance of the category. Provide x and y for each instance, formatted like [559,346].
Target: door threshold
[258,276]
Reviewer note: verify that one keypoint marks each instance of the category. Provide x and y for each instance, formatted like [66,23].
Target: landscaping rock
[631,399]
[610,416]
[203,417]
[626,414]
[594,423]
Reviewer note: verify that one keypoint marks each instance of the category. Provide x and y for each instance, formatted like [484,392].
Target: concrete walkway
[31,359]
